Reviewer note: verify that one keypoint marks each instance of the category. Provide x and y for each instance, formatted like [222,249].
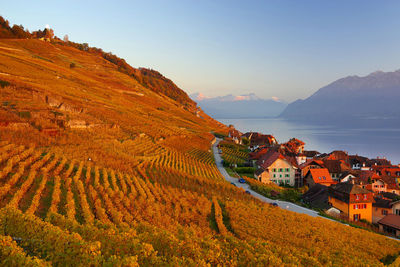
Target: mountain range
[241,106]
[353,100]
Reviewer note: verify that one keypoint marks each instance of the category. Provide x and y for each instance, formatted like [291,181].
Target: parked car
[233,184]
[242,181]
[274,204]
[248,192]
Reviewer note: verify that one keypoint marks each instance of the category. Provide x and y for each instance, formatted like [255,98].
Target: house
[280,169]
[262,176]
[258,139]
[318,176]
[235,135]
[311,164]
[354,202]
[294,145]
[380,208]
[346,177]
[385,204]
[336,168]
[301,158]
[390,224]
[378,162]
[310,154]
[317,197]
[338,155]
[257,154]
[357,162]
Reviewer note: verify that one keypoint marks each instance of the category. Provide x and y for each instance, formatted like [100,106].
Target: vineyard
[233,153]
[96,169]
[51,204]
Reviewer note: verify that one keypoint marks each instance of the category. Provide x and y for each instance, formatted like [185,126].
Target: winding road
[282,204]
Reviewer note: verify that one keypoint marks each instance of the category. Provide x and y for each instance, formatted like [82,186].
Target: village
[350,188]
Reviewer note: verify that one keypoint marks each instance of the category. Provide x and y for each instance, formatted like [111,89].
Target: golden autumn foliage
[98,167]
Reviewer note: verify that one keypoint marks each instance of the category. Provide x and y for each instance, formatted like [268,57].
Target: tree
[245,141]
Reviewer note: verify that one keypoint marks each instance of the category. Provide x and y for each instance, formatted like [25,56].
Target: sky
[285,49]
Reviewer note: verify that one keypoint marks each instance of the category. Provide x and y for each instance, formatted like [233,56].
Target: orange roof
[321,176]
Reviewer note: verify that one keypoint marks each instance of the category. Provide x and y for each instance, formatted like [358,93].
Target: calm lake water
[372,143]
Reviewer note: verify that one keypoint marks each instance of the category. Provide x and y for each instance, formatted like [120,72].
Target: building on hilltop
[353,201]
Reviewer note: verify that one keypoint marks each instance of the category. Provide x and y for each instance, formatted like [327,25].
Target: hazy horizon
[285,49]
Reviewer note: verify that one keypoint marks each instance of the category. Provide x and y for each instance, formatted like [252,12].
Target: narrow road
[283,204]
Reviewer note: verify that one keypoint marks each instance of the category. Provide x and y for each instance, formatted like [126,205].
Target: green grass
[4,84]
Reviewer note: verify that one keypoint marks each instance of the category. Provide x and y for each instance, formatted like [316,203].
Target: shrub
[4,83]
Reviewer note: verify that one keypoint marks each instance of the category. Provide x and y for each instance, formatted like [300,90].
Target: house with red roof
[336,168]
[278,168]
[258,139]
[357,162]
[235,135]
[390,224]
[310,164]
[338,155]
[294,145]
[353,201]
[318,176]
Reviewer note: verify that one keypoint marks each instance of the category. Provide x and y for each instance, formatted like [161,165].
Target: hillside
[243,106]
[99,168]
[356,101]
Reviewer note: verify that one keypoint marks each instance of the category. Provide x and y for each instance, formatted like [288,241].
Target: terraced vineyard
[61,210]
[98,167]
[233,153]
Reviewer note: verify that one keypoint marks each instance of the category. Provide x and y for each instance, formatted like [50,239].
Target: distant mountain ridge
[241,106]
[353,100]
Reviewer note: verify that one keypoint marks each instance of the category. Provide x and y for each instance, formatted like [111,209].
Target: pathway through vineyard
[283,204]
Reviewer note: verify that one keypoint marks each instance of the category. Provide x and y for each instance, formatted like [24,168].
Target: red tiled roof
[336,166]
[258,154]
[391,220]
[321,176]
[312,162]
[271,156]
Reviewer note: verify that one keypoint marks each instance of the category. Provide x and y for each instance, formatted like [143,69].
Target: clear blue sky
[287,49]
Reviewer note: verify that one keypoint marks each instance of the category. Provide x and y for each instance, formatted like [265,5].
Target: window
[280,175]
[365,196]
[280,170]
[274,175]
[356,217]
[384,212]
[365,206]
[357,197]
[287,181]
[287,169]
[355,207]
[274,170]
[397,212]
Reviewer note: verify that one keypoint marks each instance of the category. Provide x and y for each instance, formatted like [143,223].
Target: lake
[369,142]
